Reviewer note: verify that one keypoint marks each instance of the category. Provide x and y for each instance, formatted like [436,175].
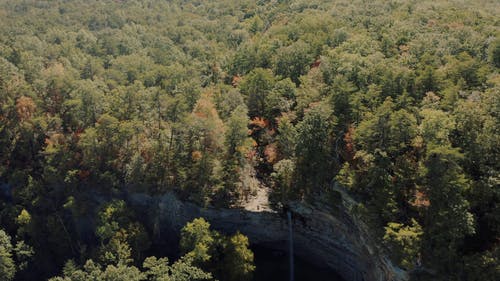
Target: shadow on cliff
[333,240]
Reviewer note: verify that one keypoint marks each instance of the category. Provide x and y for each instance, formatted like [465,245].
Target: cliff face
[333,239]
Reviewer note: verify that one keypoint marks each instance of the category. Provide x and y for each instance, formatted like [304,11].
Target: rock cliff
[329,238]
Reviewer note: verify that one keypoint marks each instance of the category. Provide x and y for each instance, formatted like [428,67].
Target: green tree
[283,177]
[341,95]
[204,141]
[94,271]
[404,242]
[313,169]
[229,258]
[117,232]
[448,220]
[237,144]
[7,266]
[154,270]
[197,240]
[84,106]
[293,61]
[238,260]
[388,129]
[436,127]
[280,100]
[181,270]
[256,86]
[385,169]
[286,138]
[483,266]
[494,52]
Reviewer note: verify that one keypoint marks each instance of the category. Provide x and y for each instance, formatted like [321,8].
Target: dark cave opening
[272,264]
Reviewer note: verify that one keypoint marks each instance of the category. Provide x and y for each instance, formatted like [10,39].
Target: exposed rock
[333,239]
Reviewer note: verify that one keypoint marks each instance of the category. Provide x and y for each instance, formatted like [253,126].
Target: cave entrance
[272,264]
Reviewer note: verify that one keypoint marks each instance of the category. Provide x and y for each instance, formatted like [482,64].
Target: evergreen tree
[448,220]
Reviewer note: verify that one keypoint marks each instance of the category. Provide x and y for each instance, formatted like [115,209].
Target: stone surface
[329,238]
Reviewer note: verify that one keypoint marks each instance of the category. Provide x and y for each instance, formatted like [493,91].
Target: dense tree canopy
[397,102]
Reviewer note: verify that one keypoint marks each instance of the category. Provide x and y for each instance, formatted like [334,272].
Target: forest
[395,102]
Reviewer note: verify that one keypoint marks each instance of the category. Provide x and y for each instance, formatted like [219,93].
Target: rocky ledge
[328,238]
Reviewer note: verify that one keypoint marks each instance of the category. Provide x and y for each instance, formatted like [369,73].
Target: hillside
[250,105]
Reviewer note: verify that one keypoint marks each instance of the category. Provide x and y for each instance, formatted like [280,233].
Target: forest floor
[258,195]
[258,202]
